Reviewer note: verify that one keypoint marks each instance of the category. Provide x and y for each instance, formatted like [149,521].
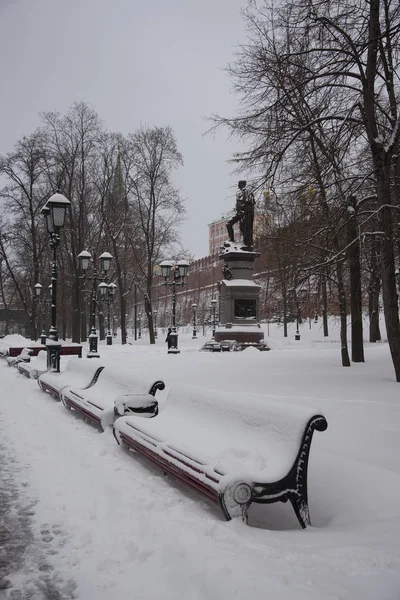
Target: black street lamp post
[297,334]
[194,308]
[108,291]
[54,211]
[179,271]
[43,300]
[213,306]
[299,295]
[105,262]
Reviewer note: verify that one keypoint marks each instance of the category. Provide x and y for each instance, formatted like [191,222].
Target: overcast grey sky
[156,62]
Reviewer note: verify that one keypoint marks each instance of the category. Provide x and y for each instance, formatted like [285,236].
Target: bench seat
[81,373]
[217,446]
[116,393]
[35,367]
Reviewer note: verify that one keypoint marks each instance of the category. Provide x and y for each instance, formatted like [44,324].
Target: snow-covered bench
[80,372]
[23,356]
[116,393]
[227,451]
[35,367]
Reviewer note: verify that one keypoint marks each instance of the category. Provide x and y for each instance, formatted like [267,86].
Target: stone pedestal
[53,356]
[239,299]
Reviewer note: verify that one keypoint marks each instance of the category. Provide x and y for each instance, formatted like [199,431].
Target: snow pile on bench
[232,448]
[232,432]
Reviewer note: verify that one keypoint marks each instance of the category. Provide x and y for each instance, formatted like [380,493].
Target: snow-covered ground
[86,520]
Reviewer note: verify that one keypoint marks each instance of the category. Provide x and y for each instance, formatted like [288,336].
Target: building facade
[217,234]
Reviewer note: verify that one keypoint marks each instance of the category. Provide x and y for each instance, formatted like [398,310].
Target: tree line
[318,83]
[122,201]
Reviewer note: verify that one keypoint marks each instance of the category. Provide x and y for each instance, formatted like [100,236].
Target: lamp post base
[109,339]
[173,343]
[297,337]
[53,356]
[93,352]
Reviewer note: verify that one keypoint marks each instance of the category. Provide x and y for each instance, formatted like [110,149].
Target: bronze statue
[244,214]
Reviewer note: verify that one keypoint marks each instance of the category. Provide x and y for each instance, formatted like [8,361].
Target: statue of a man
[244,214]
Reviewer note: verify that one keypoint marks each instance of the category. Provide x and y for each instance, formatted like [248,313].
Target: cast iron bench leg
[300,507]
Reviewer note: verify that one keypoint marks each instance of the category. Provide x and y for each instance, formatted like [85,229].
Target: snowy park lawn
[107,526]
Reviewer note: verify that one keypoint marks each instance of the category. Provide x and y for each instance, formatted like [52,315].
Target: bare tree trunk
[285,315]
[353,254]
[373,294]
[389,291]
[343,317]
[324,307]
[122,304]
[150,321]
[76,310]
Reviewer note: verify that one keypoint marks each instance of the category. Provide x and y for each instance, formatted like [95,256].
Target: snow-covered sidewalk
[104,525]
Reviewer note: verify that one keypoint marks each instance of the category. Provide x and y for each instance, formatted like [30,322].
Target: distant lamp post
[107,294]
[213,306]
[194,309]
[179,271]
[155,324]
[54,212]
[315,294]
[300,295]
[110,299]
[115,326]
[105,262]
[140,326]
[42,301]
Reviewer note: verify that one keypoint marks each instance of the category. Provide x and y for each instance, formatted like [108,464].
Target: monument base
[241,337]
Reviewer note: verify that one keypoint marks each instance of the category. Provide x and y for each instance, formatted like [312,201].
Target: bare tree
[156,205]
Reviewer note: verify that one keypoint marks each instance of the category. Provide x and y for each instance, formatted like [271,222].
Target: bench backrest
[25,353]
[79,373]
[71,350]
[66,350]
[41,358]
[119,380]
[16,350]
